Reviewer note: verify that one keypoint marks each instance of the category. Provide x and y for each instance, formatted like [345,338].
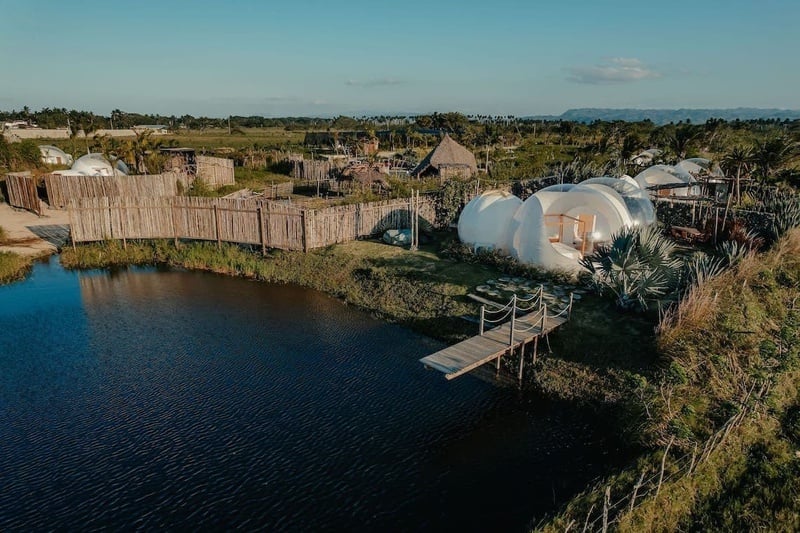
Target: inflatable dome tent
[698,166]
[636,200]
[95,165]
[665,180]
[485,220]
[560,224]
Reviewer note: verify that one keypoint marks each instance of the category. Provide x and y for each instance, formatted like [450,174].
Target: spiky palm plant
[638,267]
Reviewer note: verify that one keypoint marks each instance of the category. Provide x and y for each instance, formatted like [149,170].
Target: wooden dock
[490,345]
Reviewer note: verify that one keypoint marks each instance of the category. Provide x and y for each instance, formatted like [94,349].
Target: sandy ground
[20,226]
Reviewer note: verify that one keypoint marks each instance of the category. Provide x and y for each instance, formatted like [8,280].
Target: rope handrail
[501,309]
[560,313]
[496,320]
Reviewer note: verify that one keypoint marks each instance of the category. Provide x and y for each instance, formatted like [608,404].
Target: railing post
[483,310]
[513,319]
[544,318]
[569,312]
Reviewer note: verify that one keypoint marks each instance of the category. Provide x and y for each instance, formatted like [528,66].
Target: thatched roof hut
[447,160]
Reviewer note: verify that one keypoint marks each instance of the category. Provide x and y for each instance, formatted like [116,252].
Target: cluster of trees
[24,155]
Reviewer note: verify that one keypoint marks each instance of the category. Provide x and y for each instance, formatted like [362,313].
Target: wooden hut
[449,159]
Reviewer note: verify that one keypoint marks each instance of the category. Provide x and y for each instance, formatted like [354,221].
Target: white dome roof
[484,221]
[667,175]
[95,165]
[636,200]
[700,165]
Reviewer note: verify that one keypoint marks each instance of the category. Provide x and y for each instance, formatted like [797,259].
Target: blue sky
[321,58]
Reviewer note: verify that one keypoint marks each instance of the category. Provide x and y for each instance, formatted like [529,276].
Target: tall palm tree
[680,140]
[630,145]
[772,154]
[738,160]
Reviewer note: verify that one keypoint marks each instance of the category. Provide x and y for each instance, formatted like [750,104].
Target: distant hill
[664,116]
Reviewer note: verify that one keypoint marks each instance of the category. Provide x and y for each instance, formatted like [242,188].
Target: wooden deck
[468,355]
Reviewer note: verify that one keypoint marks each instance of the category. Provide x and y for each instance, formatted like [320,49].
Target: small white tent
[669,179]
[94,165]
[485,220]
[558,225]
[700,166]
[53,155]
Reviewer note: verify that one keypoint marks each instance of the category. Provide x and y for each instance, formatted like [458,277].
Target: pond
[159,399]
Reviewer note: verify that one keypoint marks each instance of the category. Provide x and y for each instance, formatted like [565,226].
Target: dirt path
[31,235]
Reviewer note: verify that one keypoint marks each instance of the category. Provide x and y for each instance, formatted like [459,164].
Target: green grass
[12,267]
[740,332]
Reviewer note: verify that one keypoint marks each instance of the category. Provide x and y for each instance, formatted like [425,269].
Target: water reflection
[167,400]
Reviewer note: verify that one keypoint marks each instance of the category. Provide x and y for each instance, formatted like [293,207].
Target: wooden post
[569,312]
[261,230]
[513,320]
[483,311]
[535,348]
[606,504]
[174,223]
[304,224]
[216,226]
[663,463]
[636,490]
[521,361]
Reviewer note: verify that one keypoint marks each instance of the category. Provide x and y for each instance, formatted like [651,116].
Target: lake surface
[173,400]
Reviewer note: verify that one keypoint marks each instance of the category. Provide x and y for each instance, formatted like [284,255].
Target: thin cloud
[375,82]
[616,70]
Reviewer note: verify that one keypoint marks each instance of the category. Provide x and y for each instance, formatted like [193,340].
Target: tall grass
[729,352]
[12,267]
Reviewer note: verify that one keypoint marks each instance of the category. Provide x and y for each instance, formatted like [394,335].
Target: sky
[354,57]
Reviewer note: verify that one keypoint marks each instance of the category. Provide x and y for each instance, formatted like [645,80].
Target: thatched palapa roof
[447,154]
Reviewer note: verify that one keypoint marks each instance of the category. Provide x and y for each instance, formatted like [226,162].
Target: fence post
[174,222]
[304,225]
[261,230]
[483,310]
[216,226]
[513,320]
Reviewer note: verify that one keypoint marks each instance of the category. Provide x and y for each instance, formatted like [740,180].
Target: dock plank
[471,353]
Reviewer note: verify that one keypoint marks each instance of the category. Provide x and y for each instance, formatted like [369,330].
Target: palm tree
[772,154]
[624,153]
[737,160]
[680,140]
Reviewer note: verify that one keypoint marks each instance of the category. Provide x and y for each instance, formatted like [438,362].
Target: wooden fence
[62,189]
[265,223]
[215,171]
[315,170]
[22,192]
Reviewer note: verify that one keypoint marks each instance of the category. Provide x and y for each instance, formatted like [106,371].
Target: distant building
[19,125]
[156,129]
[448,160]
[53,155]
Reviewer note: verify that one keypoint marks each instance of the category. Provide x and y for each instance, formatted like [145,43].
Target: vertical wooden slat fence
[62,189]
[22,192]
[215,171]
[265,223]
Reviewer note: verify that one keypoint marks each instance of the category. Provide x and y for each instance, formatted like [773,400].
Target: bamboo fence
[22,192]
[215,171]
[259,222]
[62,189]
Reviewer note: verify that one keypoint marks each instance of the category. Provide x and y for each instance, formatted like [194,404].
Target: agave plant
[638,267]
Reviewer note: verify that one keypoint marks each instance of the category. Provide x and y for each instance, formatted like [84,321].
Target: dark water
[176,400]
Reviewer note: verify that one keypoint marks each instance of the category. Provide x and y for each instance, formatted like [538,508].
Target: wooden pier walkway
[491,345]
